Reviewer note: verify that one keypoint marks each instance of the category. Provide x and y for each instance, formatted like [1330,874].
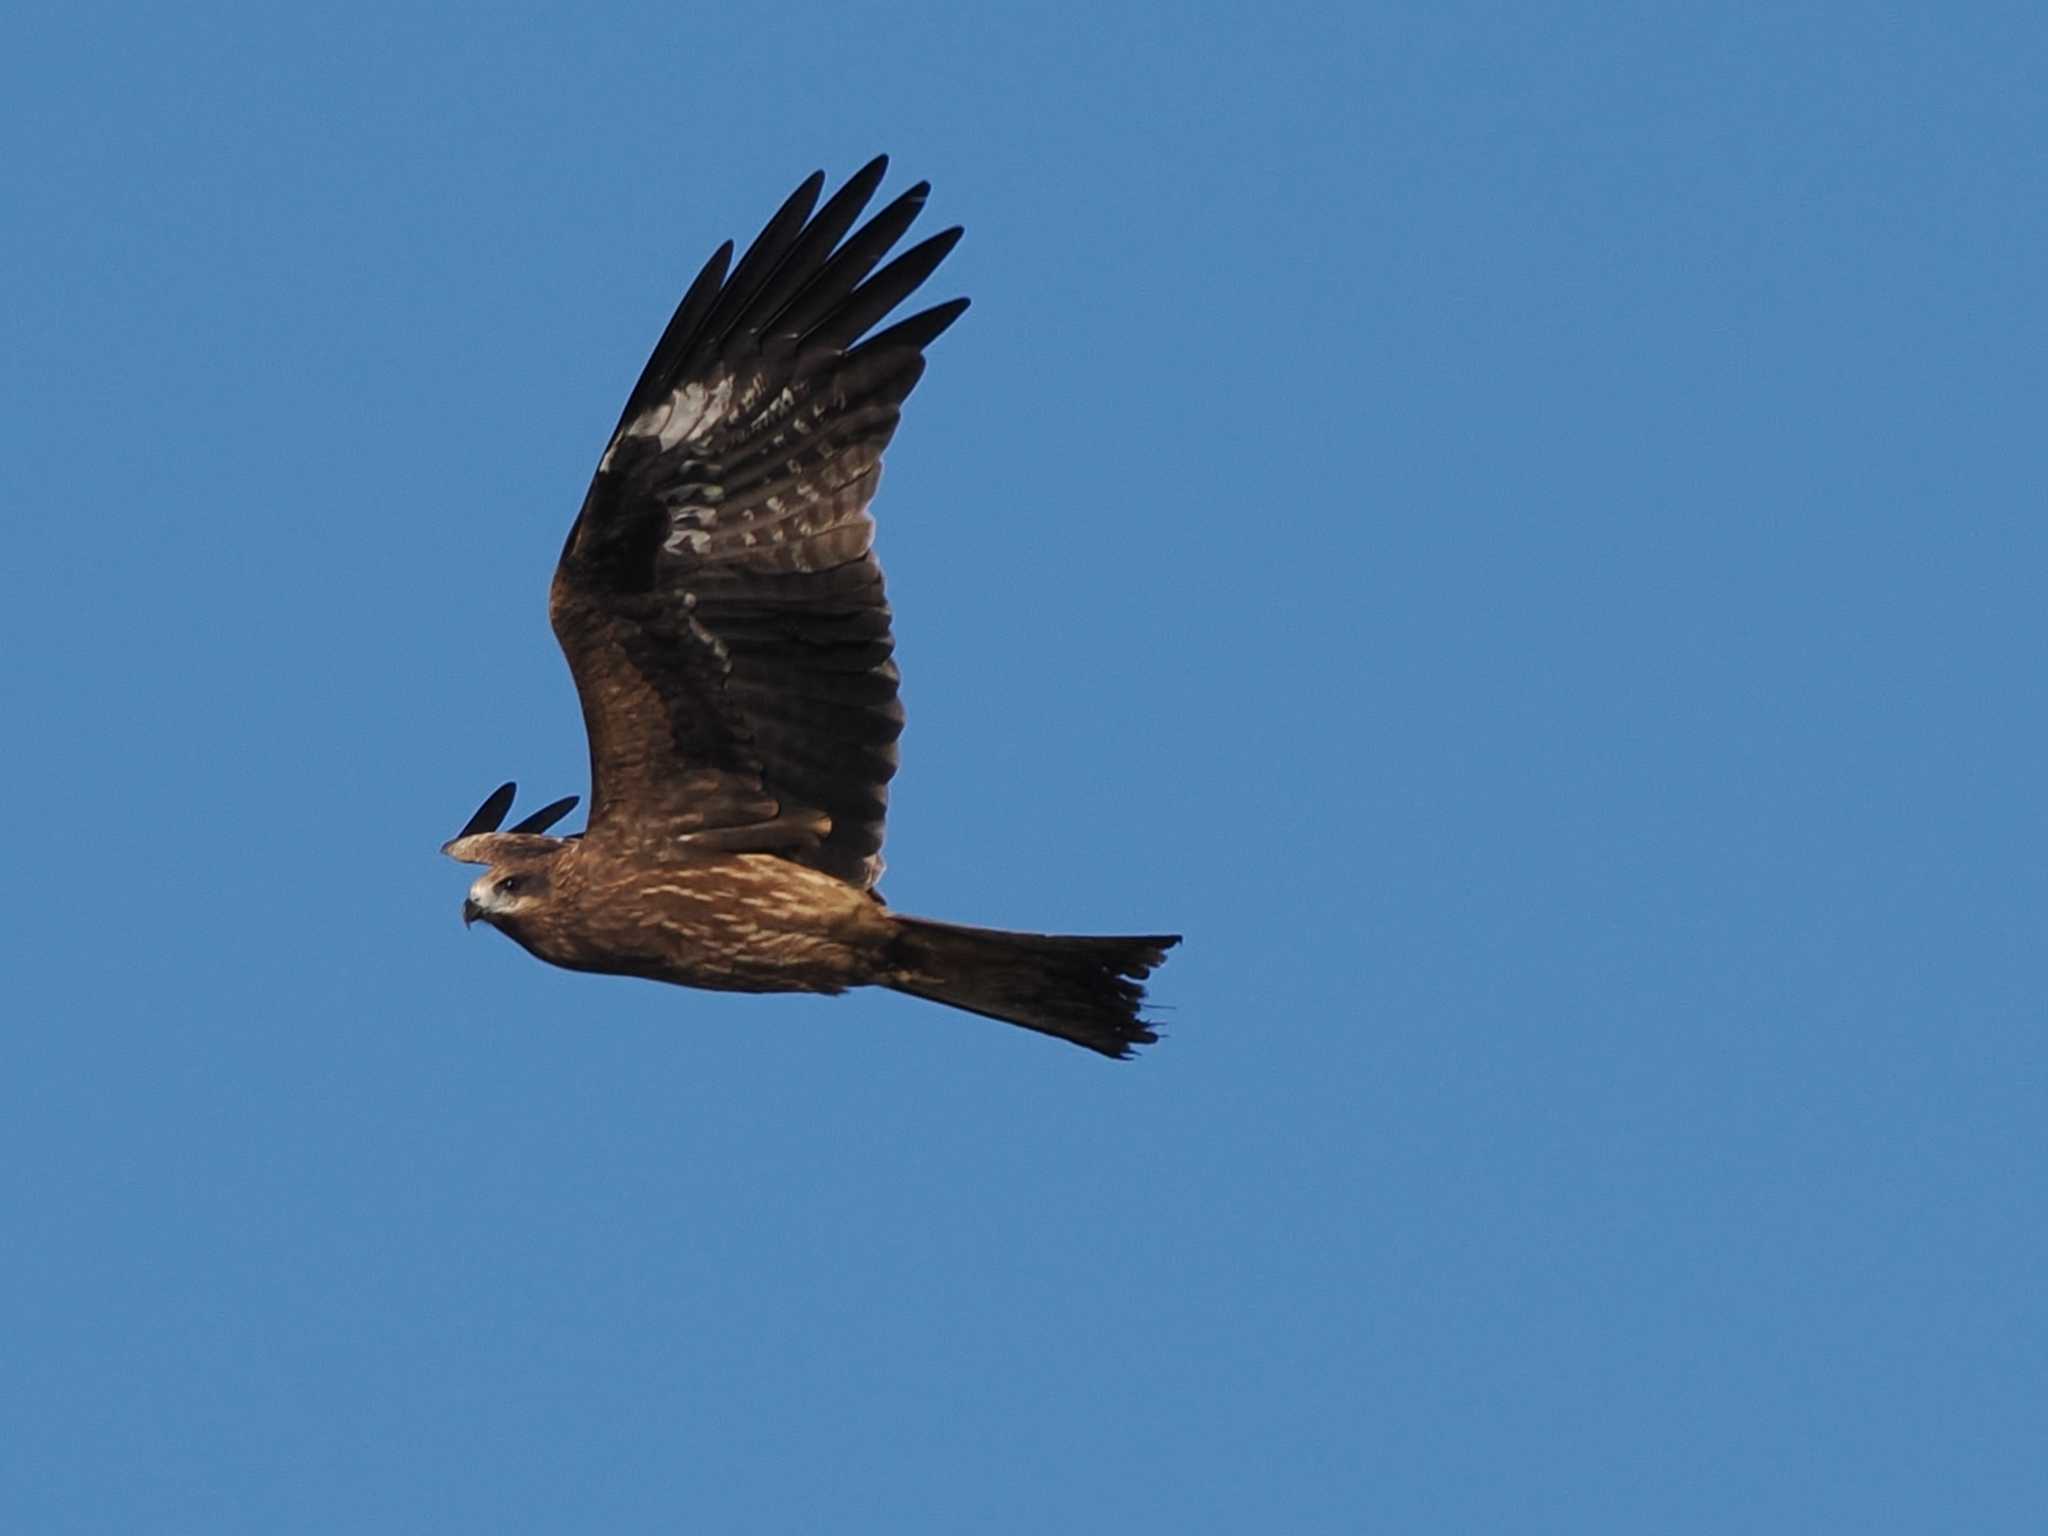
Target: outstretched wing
[718,598]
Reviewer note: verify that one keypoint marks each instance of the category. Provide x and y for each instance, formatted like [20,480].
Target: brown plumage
[723,614]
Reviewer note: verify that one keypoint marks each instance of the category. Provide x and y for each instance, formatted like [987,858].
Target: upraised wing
[718,598]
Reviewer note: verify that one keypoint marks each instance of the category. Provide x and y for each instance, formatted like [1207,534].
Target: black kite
[722,611]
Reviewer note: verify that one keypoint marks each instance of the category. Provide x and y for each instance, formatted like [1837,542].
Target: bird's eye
[511,885]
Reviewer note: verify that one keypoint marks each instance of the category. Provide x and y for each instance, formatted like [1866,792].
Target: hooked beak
[470,911]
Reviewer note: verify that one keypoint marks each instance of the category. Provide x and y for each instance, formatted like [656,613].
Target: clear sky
[1518,529]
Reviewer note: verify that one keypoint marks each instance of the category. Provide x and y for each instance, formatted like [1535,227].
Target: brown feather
[719,600]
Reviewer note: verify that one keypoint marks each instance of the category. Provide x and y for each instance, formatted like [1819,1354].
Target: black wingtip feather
[548,815]
[680,332]
[886,289]
[813,249]
[763,257]
[815,302]
[915,333]
[804,279]
[491,814]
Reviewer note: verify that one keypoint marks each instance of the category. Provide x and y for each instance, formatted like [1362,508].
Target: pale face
[503,893]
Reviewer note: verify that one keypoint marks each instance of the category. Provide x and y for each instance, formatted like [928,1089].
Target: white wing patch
[809,517]
[693,541]
[689,415]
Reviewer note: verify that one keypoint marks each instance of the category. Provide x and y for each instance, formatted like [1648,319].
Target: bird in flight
[722,611]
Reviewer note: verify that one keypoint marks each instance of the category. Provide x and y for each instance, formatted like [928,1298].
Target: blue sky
[1518,530]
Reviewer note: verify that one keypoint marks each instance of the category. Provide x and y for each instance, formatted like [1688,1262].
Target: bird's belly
[752,923]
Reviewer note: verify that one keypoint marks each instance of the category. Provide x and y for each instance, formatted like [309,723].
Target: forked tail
[1086,990]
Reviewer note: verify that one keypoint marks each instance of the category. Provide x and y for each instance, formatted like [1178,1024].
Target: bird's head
[520,864]
[518,884]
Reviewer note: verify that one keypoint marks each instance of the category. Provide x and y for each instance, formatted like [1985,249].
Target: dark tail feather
[1084,990]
